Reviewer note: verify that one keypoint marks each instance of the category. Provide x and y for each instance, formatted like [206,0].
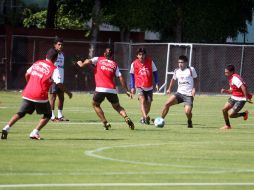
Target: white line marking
[93,153]
[126,184]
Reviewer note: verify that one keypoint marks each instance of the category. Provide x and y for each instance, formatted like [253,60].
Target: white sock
[53,115]
[7,128]
[35,131]
[60,114]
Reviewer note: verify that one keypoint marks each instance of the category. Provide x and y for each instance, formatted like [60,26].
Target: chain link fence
[3,65]
[209,61]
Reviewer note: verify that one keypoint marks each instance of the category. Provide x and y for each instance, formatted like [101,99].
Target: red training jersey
[237,91]
[143,73]
[104,73]
[39,81]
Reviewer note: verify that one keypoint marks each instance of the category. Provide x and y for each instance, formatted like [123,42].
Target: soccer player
[35,94]
[105,70]
[143,71]
[239,96]
[55,91]
[187,80]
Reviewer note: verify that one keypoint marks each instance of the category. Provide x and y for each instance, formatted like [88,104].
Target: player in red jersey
[35,94]
[105,70]
[239,96]
[143,71]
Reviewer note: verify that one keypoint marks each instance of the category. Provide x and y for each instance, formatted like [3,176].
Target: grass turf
[81,152]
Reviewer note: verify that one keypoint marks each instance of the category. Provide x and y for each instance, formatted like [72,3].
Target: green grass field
[79,154]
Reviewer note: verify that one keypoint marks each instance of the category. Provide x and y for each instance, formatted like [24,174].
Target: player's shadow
[82,139]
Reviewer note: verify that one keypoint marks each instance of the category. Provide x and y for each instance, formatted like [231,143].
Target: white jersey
[60,66]
[185,80]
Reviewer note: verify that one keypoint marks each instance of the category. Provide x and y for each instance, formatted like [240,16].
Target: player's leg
[114,100]
[26,107]
[142,103]
[188,113]
[188,105]
[228,105]
[52,100]
[60,95]
[97,99]
[172,100]
[148,102]
[236,108]
[45,109]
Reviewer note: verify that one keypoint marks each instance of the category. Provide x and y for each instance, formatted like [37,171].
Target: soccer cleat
[245,117]
[62,119]
[142,121]
[147,120]
[226,127]
[107,126]
[4,134]
[190,124]
[130,123]
[35,136]
[54,120]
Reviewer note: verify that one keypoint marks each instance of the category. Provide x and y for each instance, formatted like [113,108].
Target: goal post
[174,51]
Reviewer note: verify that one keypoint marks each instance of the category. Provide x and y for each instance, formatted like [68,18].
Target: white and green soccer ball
[159,122]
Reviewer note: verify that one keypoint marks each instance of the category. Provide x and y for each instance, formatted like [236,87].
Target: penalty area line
[127,184]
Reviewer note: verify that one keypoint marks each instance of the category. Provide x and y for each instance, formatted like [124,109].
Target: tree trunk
[51,14]
[95,27]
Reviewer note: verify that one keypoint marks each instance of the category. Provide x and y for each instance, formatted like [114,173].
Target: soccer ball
[159,122]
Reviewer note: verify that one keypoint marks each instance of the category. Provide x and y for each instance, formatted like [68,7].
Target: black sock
[227,122]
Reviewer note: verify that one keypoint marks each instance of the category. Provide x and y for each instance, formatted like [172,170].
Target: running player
[239,96]
[105,70]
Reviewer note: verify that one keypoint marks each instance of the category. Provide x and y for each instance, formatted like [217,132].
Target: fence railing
[209,61]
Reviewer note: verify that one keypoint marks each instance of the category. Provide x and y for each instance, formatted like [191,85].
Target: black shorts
[147,94]
[54,89]
[181,98]
[28,106]
[100,96]
[237,105]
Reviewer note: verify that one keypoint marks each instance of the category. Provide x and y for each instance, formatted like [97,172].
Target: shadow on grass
[82,139]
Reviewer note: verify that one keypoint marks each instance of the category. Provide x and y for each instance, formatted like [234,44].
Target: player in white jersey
[54,90]
[187,80]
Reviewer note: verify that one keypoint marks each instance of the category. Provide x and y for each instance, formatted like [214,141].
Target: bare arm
[124,85]
[84,63]
[171,85]
[27,76]
[195,81]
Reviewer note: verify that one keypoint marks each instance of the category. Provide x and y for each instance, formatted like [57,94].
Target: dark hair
[141,50]
[52,54]
[108,53]
[183,57]
[230,68]
[57,39]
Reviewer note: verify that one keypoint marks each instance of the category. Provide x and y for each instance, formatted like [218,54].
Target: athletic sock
[227,122]
[59,114]
[7,128]
[53,115]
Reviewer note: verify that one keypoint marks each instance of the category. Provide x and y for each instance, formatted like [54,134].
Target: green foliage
[37,20]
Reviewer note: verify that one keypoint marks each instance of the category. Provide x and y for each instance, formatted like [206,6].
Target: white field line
[127,184]
[94,153]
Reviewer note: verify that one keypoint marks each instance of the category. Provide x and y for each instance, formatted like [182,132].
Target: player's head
[229,70]
[52,55]
[182,62]
[108,53]
[141,54]
[58,43]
